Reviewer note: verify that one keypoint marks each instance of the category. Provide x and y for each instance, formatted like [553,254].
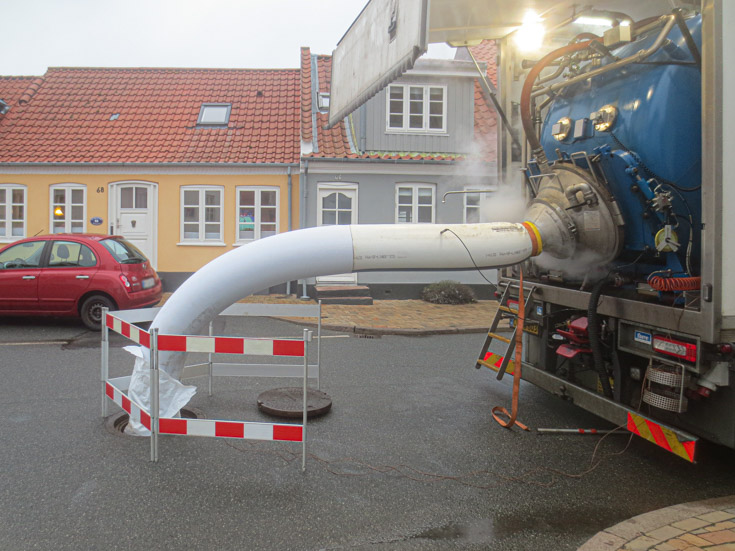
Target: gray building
[394,160]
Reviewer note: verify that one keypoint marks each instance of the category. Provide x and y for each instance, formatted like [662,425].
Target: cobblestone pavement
[706,525]
[395,317]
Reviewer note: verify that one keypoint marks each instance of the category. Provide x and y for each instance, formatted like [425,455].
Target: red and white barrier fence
[117,395]
[116,389]
[124,323]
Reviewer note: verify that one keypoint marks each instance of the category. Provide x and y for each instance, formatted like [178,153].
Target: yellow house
[184,163]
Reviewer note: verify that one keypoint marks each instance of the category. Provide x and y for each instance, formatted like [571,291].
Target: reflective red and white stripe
[207,427]
[209,345]
[136,412]
[129,330]
[231,429]
[231,345]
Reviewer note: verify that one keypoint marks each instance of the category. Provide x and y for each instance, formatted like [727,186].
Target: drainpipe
[290,216]
[302,215]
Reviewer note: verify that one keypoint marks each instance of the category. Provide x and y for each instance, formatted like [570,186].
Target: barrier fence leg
[319,350]
[307,339]
[105,366]
[154,395]
[210,361]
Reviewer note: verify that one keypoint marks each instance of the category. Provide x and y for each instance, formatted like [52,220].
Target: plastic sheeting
[173,395]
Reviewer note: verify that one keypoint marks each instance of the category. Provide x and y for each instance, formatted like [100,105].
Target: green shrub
[448,292]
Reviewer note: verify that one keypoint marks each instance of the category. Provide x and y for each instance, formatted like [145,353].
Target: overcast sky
[169,33]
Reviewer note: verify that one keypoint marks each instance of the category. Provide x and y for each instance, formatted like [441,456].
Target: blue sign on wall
[96,221]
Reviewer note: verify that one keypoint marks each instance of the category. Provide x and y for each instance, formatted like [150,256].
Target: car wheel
[91,311]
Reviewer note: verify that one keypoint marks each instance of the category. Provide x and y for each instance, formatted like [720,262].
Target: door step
[344,294]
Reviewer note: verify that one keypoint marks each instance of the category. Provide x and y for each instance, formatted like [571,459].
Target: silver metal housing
[577,218]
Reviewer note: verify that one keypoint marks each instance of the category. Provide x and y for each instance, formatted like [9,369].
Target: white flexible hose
[322,251]
[328,250]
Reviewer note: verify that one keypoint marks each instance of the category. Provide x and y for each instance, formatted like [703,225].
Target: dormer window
[416,108]
[214,114]
[323,102]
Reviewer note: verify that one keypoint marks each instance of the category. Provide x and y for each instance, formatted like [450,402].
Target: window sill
[439,133]
[245,242]
[202,244]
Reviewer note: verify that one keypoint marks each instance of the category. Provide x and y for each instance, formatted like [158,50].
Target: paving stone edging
[379,331]
[653,530]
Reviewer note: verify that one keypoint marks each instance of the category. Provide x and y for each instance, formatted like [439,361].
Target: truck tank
[623,192]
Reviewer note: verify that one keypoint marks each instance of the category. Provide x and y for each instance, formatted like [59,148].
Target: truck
[621,117]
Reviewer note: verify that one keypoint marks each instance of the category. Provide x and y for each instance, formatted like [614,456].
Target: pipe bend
[589,195]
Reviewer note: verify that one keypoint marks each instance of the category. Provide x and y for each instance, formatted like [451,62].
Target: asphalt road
[409,458]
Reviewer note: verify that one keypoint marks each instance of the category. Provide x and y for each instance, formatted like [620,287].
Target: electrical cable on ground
[411,473]
[531,477]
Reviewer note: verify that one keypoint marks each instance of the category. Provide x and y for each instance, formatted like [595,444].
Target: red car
[75,275]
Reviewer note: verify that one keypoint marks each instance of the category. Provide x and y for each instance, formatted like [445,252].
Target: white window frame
[202,240]
[257,220]
[415,187]
[68,188]
[328,187]
[8,206]
[322,102]
[467,207]
[405,128]
[205,106]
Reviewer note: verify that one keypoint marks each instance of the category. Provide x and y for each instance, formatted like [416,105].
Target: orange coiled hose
[659,283]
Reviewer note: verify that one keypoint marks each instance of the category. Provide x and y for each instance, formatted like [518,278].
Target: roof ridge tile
[33,87]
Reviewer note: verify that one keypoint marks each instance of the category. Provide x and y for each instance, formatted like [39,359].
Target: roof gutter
[388,161]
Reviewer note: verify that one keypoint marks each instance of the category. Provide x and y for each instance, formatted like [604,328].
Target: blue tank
[654,144]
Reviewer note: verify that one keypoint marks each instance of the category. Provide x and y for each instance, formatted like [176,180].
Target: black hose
[593,328]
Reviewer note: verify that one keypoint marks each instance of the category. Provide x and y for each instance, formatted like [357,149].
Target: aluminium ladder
[496,362]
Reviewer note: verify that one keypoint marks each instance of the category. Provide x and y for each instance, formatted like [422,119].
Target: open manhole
[288,402]
[116,423]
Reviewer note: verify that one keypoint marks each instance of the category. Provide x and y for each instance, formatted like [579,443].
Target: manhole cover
[288,402]
[116,423]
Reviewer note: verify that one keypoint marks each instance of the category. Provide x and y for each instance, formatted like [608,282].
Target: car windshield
[123,251]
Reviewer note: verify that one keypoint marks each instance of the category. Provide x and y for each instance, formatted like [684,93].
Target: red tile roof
[328,143]
[332,142]
[13,88]
[306,97]
[487,52]
[486,119]
[66,117]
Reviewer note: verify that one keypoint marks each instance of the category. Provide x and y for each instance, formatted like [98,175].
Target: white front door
[337,205]
[133,208]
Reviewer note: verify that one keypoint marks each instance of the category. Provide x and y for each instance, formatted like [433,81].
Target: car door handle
[82,277]
[29,277]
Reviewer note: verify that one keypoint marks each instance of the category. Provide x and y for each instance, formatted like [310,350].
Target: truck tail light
[684,350]
[124,281]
